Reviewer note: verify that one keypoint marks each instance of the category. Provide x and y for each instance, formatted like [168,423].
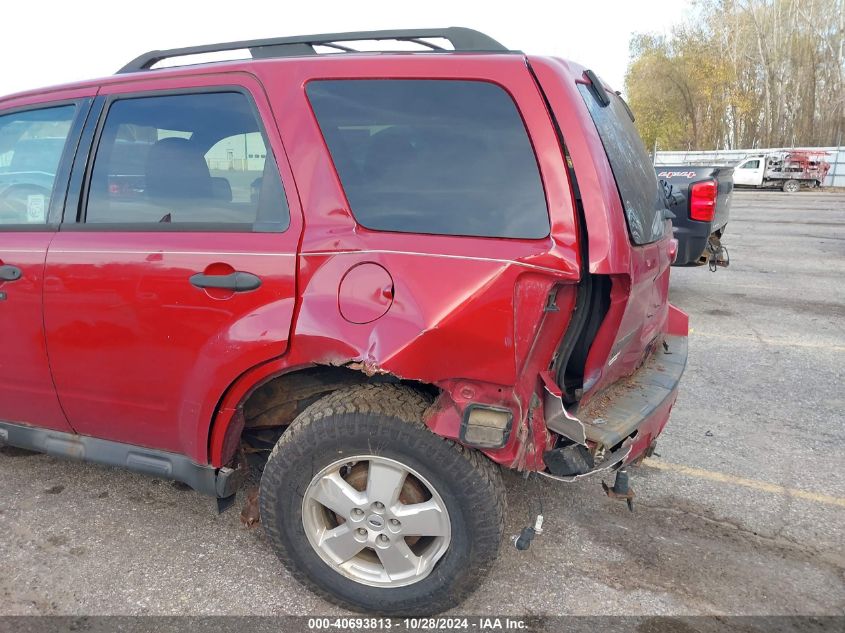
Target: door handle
[10,273]
[237,281]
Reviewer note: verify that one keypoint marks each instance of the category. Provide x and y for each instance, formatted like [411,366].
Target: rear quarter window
[440,157]
[636,181]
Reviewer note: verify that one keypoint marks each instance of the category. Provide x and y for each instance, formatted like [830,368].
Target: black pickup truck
[700,199]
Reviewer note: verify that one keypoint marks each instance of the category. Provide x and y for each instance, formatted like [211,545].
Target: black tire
[384,420]
[792,186]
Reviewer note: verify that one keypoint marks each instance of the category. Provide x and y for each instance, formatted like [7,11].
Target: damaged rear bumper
[620,424]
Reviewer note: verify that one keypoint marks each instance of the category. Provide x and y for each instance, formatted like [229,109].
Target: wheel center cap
[375,521]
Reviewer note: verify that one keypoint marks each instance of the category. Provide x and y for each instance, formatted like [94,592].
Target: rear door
[625,213]
[36,146]
[174,271]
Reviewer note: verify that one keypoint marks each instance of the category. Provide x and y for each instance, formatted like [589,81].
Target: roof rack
[462,39]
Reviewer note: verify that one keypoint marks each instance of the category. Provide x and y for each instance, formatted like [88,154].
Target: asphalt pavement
[742,510]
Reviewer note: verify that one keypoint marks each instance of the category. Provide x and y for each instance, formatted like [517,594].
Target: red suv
[370,279]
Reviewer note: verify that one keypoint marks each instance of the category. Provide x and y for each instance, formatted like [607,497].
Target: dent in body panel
[481,331]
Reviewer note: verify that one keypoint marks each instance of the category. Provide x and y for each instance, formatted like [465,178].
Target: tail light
[673,250]
[702,201]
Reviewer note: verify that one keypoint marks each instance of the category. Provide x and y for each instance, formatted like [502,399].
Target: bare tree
[743,73]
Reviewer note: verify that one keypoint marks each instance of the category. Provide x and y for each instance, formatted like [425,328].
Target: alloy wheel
[376,521]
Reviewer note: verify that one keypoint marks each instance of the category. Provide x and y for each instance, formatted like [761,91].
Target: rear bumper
[692,241]
[618,425]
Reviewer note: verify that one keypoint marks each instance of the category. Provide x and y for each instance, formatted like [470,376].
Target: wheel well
[269,409]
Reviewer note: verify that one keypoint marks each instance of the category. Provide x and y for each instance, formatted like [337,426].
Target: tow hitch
[621,490]
[716,255]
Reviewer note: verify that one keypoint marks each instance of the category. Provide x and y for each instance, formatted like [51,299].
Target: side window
[31,146]
[432,156]
[186,160]
[752,164]
[237,166]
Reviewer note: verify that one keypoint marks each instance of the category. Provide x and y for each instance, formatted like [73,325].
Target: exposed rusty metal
[250,515]
[279,401]
[621,490]
[715,255]
[367,366]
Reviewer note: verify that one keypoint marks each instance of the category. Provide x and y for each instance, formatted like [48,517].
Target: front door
[749,172]
[175,272]
[36,144]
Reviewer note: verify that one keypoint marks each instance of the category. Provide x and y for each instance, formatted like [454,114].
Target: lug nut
[362,532]
[378,505]
[383,538]
[357,513]
[394,522]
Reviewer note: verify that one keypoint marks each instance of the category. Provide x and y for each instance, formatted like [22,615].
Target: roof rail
[462,39]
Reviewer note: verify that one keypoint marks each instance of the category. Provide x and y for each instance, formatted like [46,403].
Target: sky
[48,42]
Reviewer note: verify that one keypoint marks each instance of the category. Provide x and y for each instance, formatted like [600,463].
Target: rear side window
[31,146]
[186,159]
[636,181]
[432,156]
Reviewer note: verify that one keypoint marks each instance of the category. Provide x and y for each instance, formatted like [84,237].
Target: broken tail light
[702,205]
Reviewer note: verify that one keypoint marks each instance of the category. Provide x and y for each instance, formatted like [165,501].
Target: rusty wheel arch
[267,409]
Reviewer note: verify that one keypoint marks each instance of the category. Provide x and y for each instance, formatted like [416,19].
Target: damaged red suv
[360,283]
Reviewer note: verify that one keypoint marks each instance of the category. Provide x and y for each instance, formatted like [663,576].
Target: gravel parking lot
[742,512]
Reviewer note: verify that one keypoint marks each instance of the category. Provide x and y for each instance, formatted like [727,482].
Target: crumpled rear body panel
[477,329]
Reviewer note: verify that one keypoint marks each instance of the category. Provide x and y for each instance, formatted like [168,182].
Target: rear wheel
[373,511]
[791,186]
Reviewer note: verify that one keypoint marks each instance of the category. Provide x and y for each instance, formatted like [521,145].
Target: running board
[216,482]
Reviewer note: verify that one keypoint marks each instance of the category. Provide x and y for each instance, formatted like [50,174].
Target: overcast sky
[48,42]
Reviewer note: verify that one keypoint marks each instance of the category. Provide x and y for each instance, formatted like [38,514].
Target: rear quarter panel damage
[480,331]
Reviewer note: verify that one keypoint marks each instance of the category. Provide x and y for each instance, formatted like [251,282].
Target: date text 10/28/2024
[481,624]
